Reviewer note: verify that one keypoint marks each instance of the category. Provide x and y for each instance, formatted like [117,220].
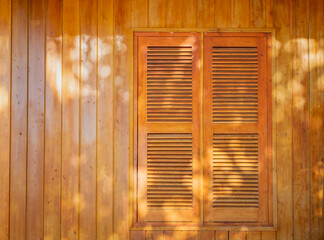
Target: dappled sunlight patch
[4,99]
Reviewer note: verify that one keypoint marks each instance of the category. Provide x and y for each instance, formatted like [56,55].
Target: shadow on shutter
[236,169]
[168,128]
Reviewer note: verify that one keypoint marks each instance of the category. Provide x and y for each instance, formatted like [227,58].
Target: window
[202,142]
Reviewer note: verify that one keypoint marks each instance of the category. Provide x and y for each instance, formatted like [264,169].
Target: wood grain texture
[53,118]
[241,13]
[283,90]
[157,13]
[189,13]
[154,235]
[137,235]
[257,13]
[5,77]
[269,12]
[223,14]
[206,13]
[105,120]
[70,198]
[88,118]
[253,235]
[18,141]
[26,143]
[210,235]
[316,103]
[300,120]
[36,115]
[173,13]
[221,235]
[235,235]
[268,236]
[121,119]
[139,13]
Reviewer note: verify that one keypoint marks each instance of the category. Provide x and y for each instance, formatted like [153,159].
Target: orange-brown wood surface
[66,105]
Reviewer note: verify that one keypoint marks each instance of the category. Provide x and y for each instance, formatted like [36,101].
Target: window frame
[271,224]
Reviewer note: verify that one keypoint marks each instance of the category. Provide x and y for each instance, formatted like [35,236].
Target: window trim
[133,129]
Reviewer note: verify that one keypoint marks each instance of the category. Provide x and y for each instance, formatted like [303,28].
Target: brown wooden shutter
[236,128]
[168,81]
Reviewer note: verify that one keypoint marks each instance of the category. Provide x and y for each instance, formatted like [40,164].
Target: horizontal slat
[235,84]
[169,84]
[235,170]
[169,170]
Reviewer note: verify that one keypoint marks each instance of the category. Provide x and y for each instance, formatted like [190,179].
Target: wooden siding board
[173,13]
[300,120]
[139,13]
[253,236]
[221,235]
[268,236]
[88,118]
[206,17]
[156,13]
[269,12]
[5,77]
[316,103]
[121,119]
[257,13]
[70,198]
[241,13]
[53,118]
[189,13]
[223,14]
[283,90]
[210,235]
[105,120]
[36,113]
[15,121]
[237,235]
[137,235]
[18,151]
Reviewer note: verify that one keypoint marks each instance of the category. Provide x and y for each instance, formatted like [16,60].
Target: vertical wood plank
[18,119]
[154,235]
[105,120]
[70,122]
[269,11]
[35,157]
[268,236]
[300,120]
[139,13]
[121,115]
[282,76]
[88,118]
[257,13]
[173,13]
[53,130]
[236,235]
[206,18]
[316,33]
[210,235]
[253,235]
[5,76]
[223,14]
[137,235]
[156,13]
[221,235]
[170,235]
[241,13]
[190,13]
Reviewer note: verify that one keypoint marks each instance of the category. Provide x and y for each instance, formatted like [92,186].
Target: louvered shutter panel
[168,127]
[236,128]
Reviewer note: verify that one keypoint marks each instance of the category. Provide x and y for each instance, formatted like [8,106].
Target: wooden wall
[66,112]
